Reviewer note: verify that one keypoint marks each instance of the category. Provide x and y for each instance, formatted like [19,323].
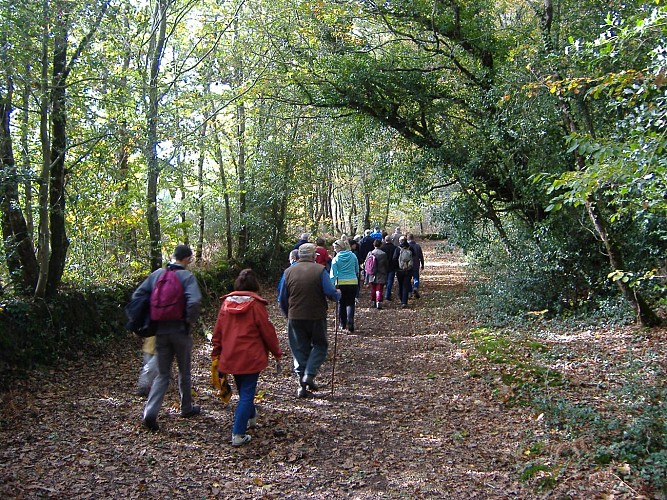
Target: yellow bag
[220,382]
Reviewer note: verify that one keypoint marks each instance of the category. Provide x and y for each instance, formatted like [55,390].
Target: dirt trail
[405,421]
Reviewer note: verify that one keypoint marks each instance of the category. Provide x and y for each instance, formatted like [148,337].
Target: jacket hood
[240,302]
[346,256]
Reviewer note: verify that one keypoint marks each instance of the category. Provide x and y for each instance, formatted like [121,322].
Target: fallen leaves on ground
[407,419]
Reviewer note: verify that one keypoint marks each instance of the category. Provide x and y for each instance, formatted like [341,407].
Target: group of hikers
[380,258]
[244,336]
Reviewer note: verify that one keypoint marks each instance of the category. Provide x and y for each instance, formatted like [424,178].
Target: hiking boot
[308,381]
[372,304]
[240,439]
[417,294]
[379,305]
[303,392]
[350,328]
[404,306]
[151,424]
[195,410]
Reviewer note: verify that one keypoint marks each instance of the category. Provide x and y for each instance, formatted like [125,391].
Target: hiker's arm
[216,340]
[283,298]
[144,290]
[192,299]
[267,331]
[329,290]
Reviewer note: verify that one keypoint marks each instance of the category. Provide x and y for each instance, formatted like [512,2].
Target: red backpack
[168,298]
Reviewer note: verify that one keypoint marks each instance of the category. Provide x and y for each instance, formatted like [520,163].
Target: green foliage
[511,363]
[40,332]
[541,474]
[636,435]
[642,441]
[216,281]
[555,270]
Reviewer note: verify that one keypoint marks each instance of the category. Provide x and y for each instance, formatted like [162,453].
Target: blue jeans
[245,410]
[308,343]
[415,278]
[390,284]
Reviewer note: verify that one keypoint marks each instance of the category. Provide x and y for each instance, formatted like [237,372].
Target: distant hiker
[321,255]
[396,236]
[418,263]
[303,301]
[376,273]
[293,259]
[365,245]
[303,239]
[404,260]
[354,248]
[173,336]
[389,248]
[345,276]
[376,234]
[149,367]
[242,338]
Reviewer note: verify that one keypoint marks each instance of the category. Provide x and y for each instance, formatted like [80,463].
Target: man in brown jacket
[302,299]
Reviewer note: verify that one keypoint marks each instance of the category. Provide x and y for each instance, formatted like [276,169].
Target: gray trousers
[168,346]
[148,373]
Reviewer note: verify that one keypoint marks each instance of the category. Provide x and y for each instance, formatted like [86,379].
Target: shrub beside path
[405,421]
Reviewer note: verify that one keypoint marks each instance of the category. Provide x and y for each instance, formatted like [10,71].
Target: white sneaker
[240,439]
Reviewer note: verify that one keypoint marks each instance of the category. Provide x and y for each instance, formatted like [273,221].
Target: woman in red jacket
[242,338]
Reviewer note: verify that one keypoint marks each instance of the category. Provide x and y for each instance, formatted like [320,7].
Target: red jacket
[322,256]
[243,334]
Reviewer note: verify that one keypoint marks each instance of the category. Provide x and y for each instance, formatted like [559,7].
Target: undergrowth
[628,432]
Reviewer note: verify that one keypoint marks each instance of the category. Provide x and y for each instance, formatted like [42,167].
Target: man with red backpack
[175,304]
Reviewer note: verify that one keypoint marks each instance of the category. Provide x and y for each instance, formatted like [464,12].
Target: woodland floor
[408,418]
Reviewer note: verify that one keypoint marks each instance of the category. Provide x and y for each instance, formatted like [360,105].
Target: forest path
[405,420]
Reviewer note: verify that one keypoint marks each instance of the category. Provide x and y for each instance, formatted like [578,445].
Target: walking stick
[333,368]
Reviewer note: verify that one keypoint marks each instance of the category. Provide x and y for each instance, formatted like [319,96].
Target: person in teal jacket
[345,276]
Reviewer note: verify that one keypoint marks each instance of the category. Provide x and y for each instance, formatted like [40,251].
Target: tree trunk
[339,216]
[27,169]
[200,194]
[16,234]
[387,206]
[43,238]
[225,195]
[59,241]
[127,237]
[157,42]
[243,229]
[19,250]
[645,315]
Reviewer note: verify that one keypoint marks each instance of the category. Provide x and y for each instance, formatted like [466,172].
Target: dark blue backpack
[138,316]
